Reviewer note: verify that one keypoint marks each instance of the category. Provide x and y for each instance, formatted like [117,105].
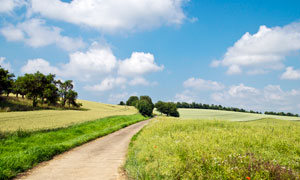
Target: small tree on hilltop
[132,101]
[144,107]
[168,108]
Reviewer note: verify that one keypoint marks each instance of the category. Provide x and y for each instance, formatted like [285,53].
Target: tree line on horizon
[220,107]
[39,88]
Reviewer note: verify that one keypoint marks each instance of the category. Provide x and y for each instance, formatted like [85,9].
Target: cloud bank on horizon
[105,73]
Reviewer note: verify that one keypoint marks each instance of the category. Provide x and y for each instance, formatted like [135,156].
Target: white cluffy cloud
[99,64]
[113,15]
[270,98]
[7,6]
[108,84]
[201,84]
[35,33]
[262,51]
[5,65]
[138,64]
[291,74]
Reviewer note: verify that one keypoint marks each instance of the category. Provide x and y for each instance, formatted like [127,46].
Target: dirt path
[100,159]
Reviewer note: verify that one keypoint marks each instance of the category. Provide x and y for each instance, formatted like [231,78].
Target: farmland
[51,119]
[227,115]
[22,150]
[172,148]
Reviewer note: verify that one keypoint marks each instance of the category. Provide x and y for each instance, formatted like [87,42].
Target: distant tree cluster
[144,104]
[212,106]
[168,108]
[39,88]
[281,114]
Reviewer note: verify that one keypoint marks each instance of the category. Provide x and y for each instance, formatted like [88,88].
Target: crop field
[172,148]
[50,119]
[209,114]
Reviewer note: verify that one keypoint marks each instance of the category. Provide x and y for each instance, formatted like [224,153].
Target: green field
[227,115]
[172,148]
[50,119]
[21,150]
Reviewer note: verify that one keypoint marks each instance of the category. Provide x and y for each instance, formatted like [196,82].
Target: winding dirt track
[99,159]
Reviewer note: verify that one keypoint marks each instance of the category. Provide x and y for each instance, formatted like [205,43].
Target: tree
[34,86]
[64,88]
[132,101]
[67,94]
[121,103]
[20,87]
[71,98]
[148,99]
[6,81]
[168,108]
[144,107]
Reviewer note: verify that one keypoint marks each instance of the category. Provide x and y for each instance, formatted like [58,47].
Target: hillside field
[209,114]
[51,119]
[173,148]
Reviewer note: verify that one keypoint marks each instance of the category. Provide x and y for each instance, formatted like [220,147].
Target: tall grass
[21,150]
[200,149]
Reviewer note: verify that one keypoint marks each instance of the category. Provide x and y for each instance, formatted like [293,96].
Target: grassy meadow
[51,119]
[209,114]
[21,150]
[172,148]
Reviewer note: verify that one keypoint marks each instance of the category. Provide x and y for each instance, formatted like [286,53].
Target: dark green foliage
[132,101]
[6,81]
[122,103]
[144,107]
[148,99]
[281,114]
[168,108]
[22,150]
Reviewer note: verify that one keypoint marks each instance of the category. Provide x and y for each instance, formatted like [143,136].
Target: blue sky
[234,53]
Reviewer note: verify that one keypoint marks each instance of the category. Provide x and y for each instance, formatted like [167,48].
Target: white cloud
[5,65]
[107,84]
[35,33]
[262,51]
[291,74]
[138,64]
[9,5]
[98,64]
[185,96]
[97,61]
[34,65]
[113,15]
[201,84]
[270,98]
[140,81]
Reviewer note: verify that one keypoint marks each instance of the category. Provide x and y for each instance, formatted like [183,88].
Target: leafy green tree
[168,108]
[71,98]
[121,103]
[144,107]
[132,101]
[34,86]
[64,88]
[6,81]
[20,87]
[67,94]
[148,99]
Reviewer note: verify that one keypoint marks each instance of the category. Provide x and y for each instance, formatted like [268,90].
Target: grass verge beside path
[208,149]
[21,151]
